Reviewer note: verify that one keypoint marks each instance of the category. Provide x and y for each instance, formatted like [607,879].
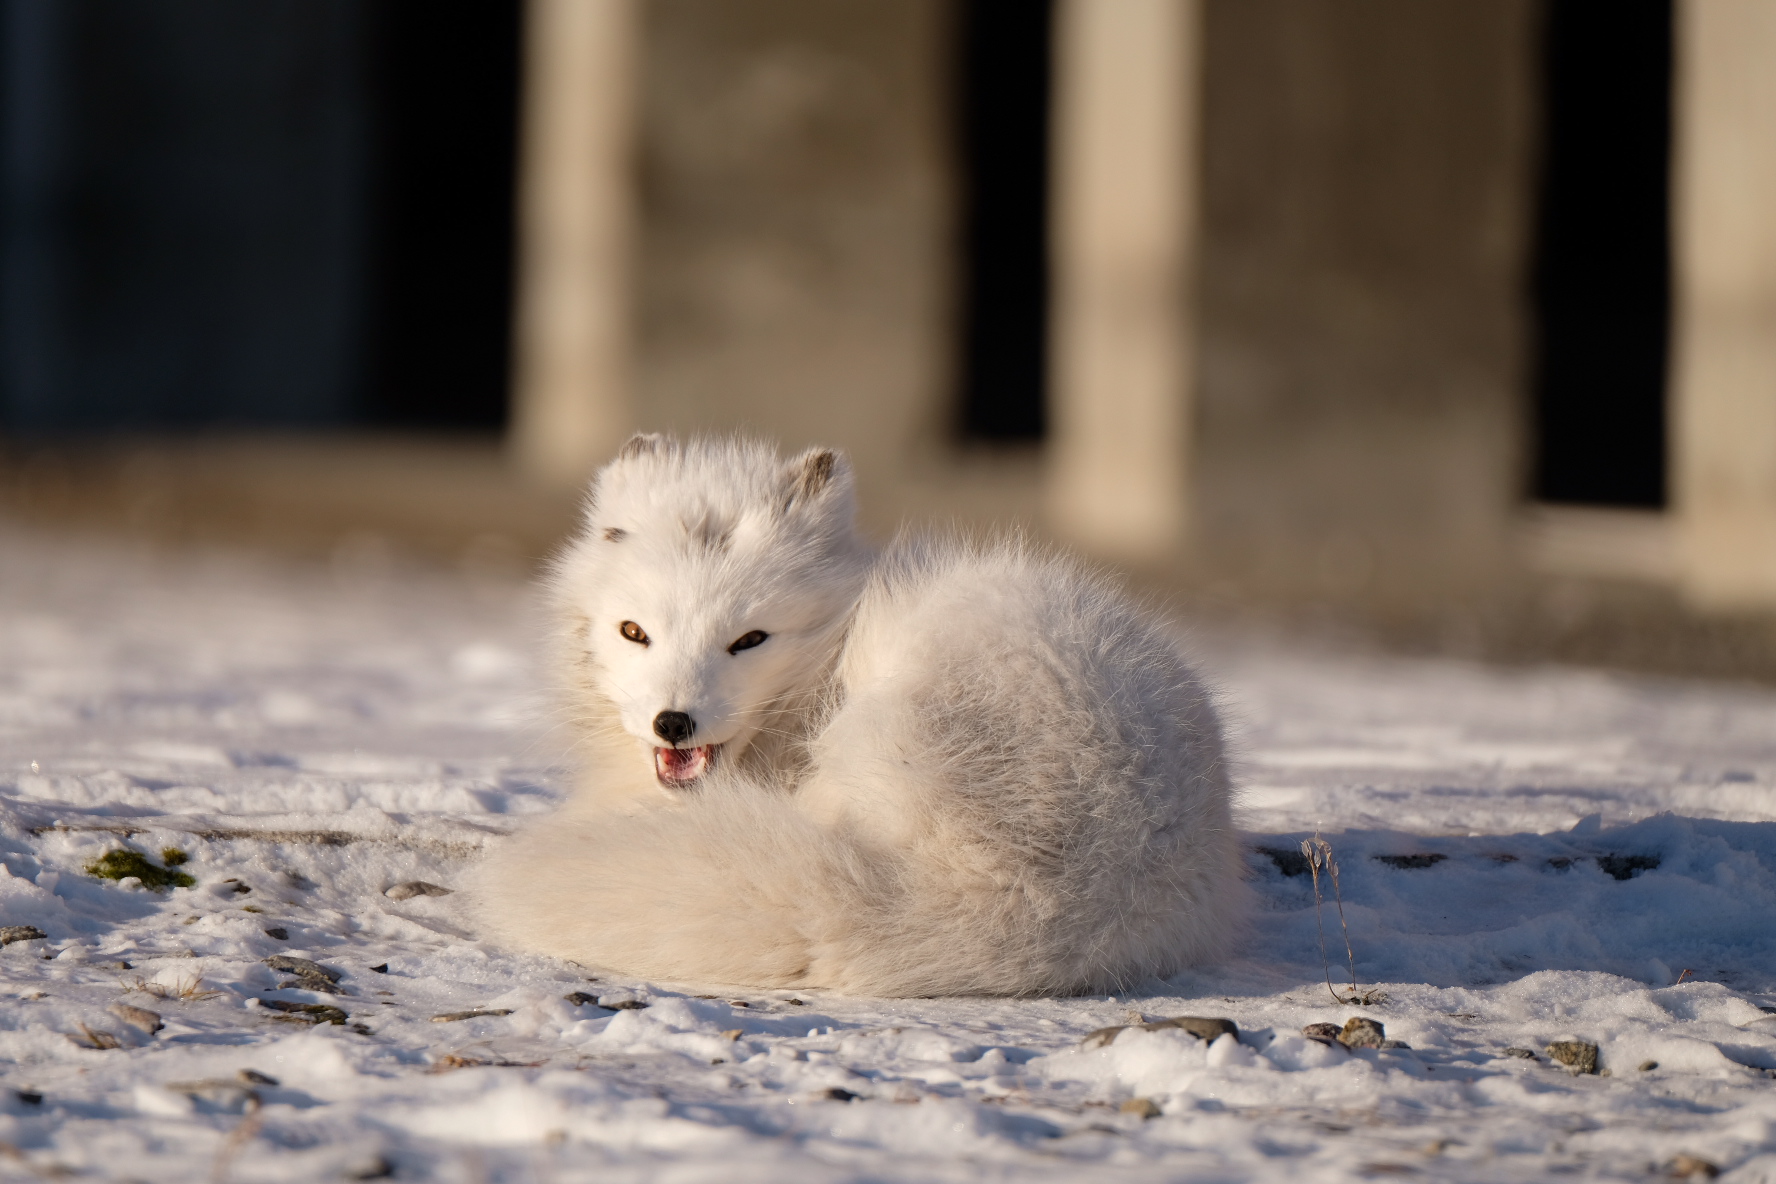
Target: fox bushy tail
[734,885]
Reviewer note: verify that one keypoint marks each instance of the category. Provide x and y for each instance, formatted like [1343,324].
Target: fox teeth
[681,766]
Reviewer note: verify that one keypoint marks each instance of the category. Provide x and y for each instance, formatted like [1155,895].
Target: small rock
[1648,1066]
[381,969]
[1208,1028]
[1691,1167]
[1520,1053]
[624,1005]
[1202,1027]
[1411,861]
[254,1077]
[835,1094]
[138,1017]
[236,887]
[306,1013]
[29,1097]
[279,932]
[301,967]
[473,1013]
[319,985]
[581,999]
[1099,1037]
[1143,1108]
[374,1168]
[1362,1033]
[1396,1044]
[733,1034]
[413,888]
[738,1003]
[1576,1055]
[1623,867]
[94,1038]
[120,964]
[1323,1033]
[12,933]
[231,1097]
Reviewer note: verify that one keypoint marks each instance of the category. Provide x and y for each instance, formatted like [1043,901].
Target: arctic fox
[947,768]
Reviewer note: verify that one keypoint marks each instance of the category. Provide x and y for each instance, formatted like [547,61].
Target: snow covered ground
[1525,857]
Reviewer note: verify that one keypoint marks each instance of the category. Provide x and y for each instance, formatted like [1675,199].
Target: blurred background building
[1453,324]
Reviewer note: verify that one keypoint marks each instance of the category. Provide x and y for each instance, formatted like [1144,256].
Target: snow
[317,737]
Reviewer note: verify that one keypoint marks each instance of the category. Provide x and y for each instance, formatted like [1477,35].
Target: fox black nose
[674,727]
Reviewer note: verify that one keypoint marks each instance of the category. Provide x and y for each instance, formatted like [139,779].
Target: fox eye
[756,637]
[636,633]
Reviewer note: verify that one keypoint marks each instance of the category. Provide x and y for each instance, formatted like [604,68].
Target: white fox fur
[950,768]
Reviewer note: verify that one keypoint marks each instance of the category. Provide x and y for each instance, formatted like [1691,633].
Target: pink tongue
[679,764]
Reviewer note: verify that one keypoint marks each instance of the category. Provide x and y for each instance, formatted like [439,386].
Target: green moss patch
[121,864]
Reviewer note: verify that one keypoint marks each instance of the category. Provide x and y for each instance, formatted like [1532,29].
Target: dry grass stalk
[1319,858]
[96,1038]
[186,990]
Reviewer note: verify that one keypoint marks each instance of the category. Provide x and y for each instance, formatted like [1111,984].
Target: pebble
[301,967]
[377,1167]
[1520,1053]
[1323,1033]
[835,1094]
[138,1017]
[474,1013]
[1648,1066]
[1143,1108]
[96,1038]
[279,932]
[1691,1167]
[228,1096]
[308,1013]
[413,888]
[1576,1055]
[254,1077]
[12,933]
[1359,1032]
[1201,1027]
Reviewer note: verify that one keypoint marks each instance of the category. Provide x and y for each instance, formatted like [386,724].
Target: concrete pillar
[571,383]
[1724,381]
[1125,127]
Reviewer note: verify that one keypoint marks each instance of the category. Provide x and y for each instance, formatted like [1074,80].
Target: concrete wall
[794,277]
[1366,206]
[1365,197]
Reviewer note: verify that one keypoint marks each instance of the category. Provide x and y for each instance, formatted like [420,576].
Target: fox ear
[815,474]
[641,444]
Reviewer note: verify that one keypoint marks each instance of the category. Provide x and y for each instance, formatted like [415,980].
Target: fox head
[710,583]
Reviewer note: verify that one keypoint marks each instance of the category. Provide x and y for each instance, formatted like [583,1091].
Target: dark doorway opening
[1003,97]
[1602,277]
[290,213]
[445,97]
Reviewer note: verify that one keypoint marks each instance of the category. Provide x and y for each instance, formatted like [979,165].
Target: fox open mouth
[678,767]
